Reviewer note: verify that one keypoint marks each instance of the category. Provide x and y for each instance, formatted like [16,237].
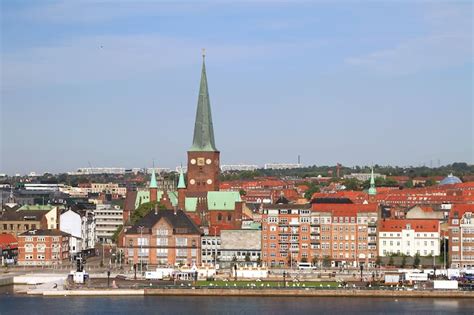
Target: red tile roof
[395,225]
[343,210]
[8,240]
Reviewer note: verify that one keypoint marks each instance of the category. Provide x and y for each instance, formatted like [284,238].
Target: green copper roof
[181,182]
[173,195]
[372,189]
[190,204]
[36,207]
[203,139]
[222,200]
[153,183]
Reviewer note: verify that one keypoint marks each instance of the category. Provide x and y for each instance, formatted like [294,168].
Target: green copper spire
[372,189]
[203,130]
[181,183]
[153,183]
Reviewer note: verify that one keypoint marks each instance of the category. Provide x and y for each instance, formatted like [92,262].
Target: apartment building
[163,237]
[107,219]
[461,236]
[344,234]
[409,237]
[43,247]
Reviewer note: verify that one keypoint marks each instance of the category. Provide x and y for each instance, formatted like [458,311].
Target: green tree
[430,182]
[116,234]
[390,261]
[242,192]
[326,261]
[352,184]
[313,188]
[304,259]
[404,261]
[378,261]
[416,261]
[315,260]
[409,184]
[143,210]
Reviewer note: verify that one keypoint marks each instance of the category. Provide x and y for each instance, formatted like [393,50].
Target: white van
[304,266]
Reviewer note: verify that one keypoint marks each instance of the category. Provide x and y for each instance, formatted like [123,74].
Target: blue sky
[116,83]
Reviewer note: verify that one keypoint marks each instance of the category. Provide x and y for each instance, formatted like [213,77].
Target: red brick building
[163,237]
[43,248]
[461,236]
[333,234]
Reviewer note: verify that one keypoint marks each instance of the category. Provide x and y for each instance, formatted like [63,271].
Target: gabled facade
[163,238]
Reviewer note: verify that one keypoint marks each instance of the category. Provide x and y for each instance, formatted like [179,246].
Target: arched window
[229,217]
[219,217]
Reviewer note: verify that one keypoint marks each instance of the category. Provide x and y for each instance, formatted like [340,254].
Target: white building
[107,219]
[71,224]
[363,176]
[281,166]
[409,237]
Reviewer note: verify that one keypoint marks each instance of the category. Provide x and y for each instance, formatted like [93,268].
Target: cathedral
[198,193]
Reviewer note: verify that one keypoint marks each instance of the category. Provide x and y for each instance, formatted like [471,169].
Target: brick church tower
[203,157]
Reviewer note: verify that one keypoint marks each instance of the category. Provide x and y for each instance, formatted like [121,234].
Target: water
[21,304]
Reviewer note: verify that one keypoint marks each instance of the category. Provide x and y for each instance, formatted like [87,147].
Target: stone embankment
[260,292]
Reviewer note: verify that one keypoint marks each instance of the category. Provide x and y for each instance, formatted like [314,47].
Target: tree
[143,210]
[378,261]
[430,182]
[352,184]
[416,261]
[315,260]
[404,261]
[313,188]
[326,261]
[242,192]
[390,261]
[409,184]
[116,234]
[304,259]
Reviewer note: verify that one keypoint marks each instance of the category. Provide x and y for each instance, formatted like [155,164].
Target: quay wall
[261,292]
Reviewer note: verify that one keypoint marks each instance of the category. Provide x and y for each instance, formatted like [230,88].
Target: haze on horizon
[116,83]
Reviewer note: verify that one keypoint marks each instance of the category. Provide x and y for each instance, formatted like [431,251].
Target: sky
[115,83]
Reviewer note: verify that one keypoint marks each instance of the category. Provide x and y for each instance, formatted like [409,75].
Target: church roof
[222,200]
[203,139]
[181,182]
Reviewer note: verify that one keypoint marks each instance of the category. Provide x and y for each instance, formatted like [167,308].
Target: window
[41,248]
[181,241]
[229,217]
[219,217]
[162,241]
[28,248]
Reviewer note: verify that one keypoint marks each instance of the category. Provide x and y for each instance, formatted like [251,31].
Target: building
[8,249]
[344,234]
[286,230]
[364,176]
[240,247]
[163,237]
[15,221]
[71,223]
[281,166]
[461,236]
[107,220]
[43,248]
[409,237]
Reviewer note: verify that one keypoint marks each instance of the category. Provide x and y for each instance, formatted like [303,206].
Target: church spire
[181,182]
[372,189]
[203,139]
[153,183]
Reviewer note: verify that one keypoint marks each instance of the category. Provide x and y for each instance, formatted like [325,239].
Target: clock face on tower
[208,161]
[193,161]
[192,181]
[209,181]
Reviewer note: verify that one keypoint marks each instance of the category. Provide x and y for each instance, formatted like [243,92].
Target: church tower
[203,157]
[372,189]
